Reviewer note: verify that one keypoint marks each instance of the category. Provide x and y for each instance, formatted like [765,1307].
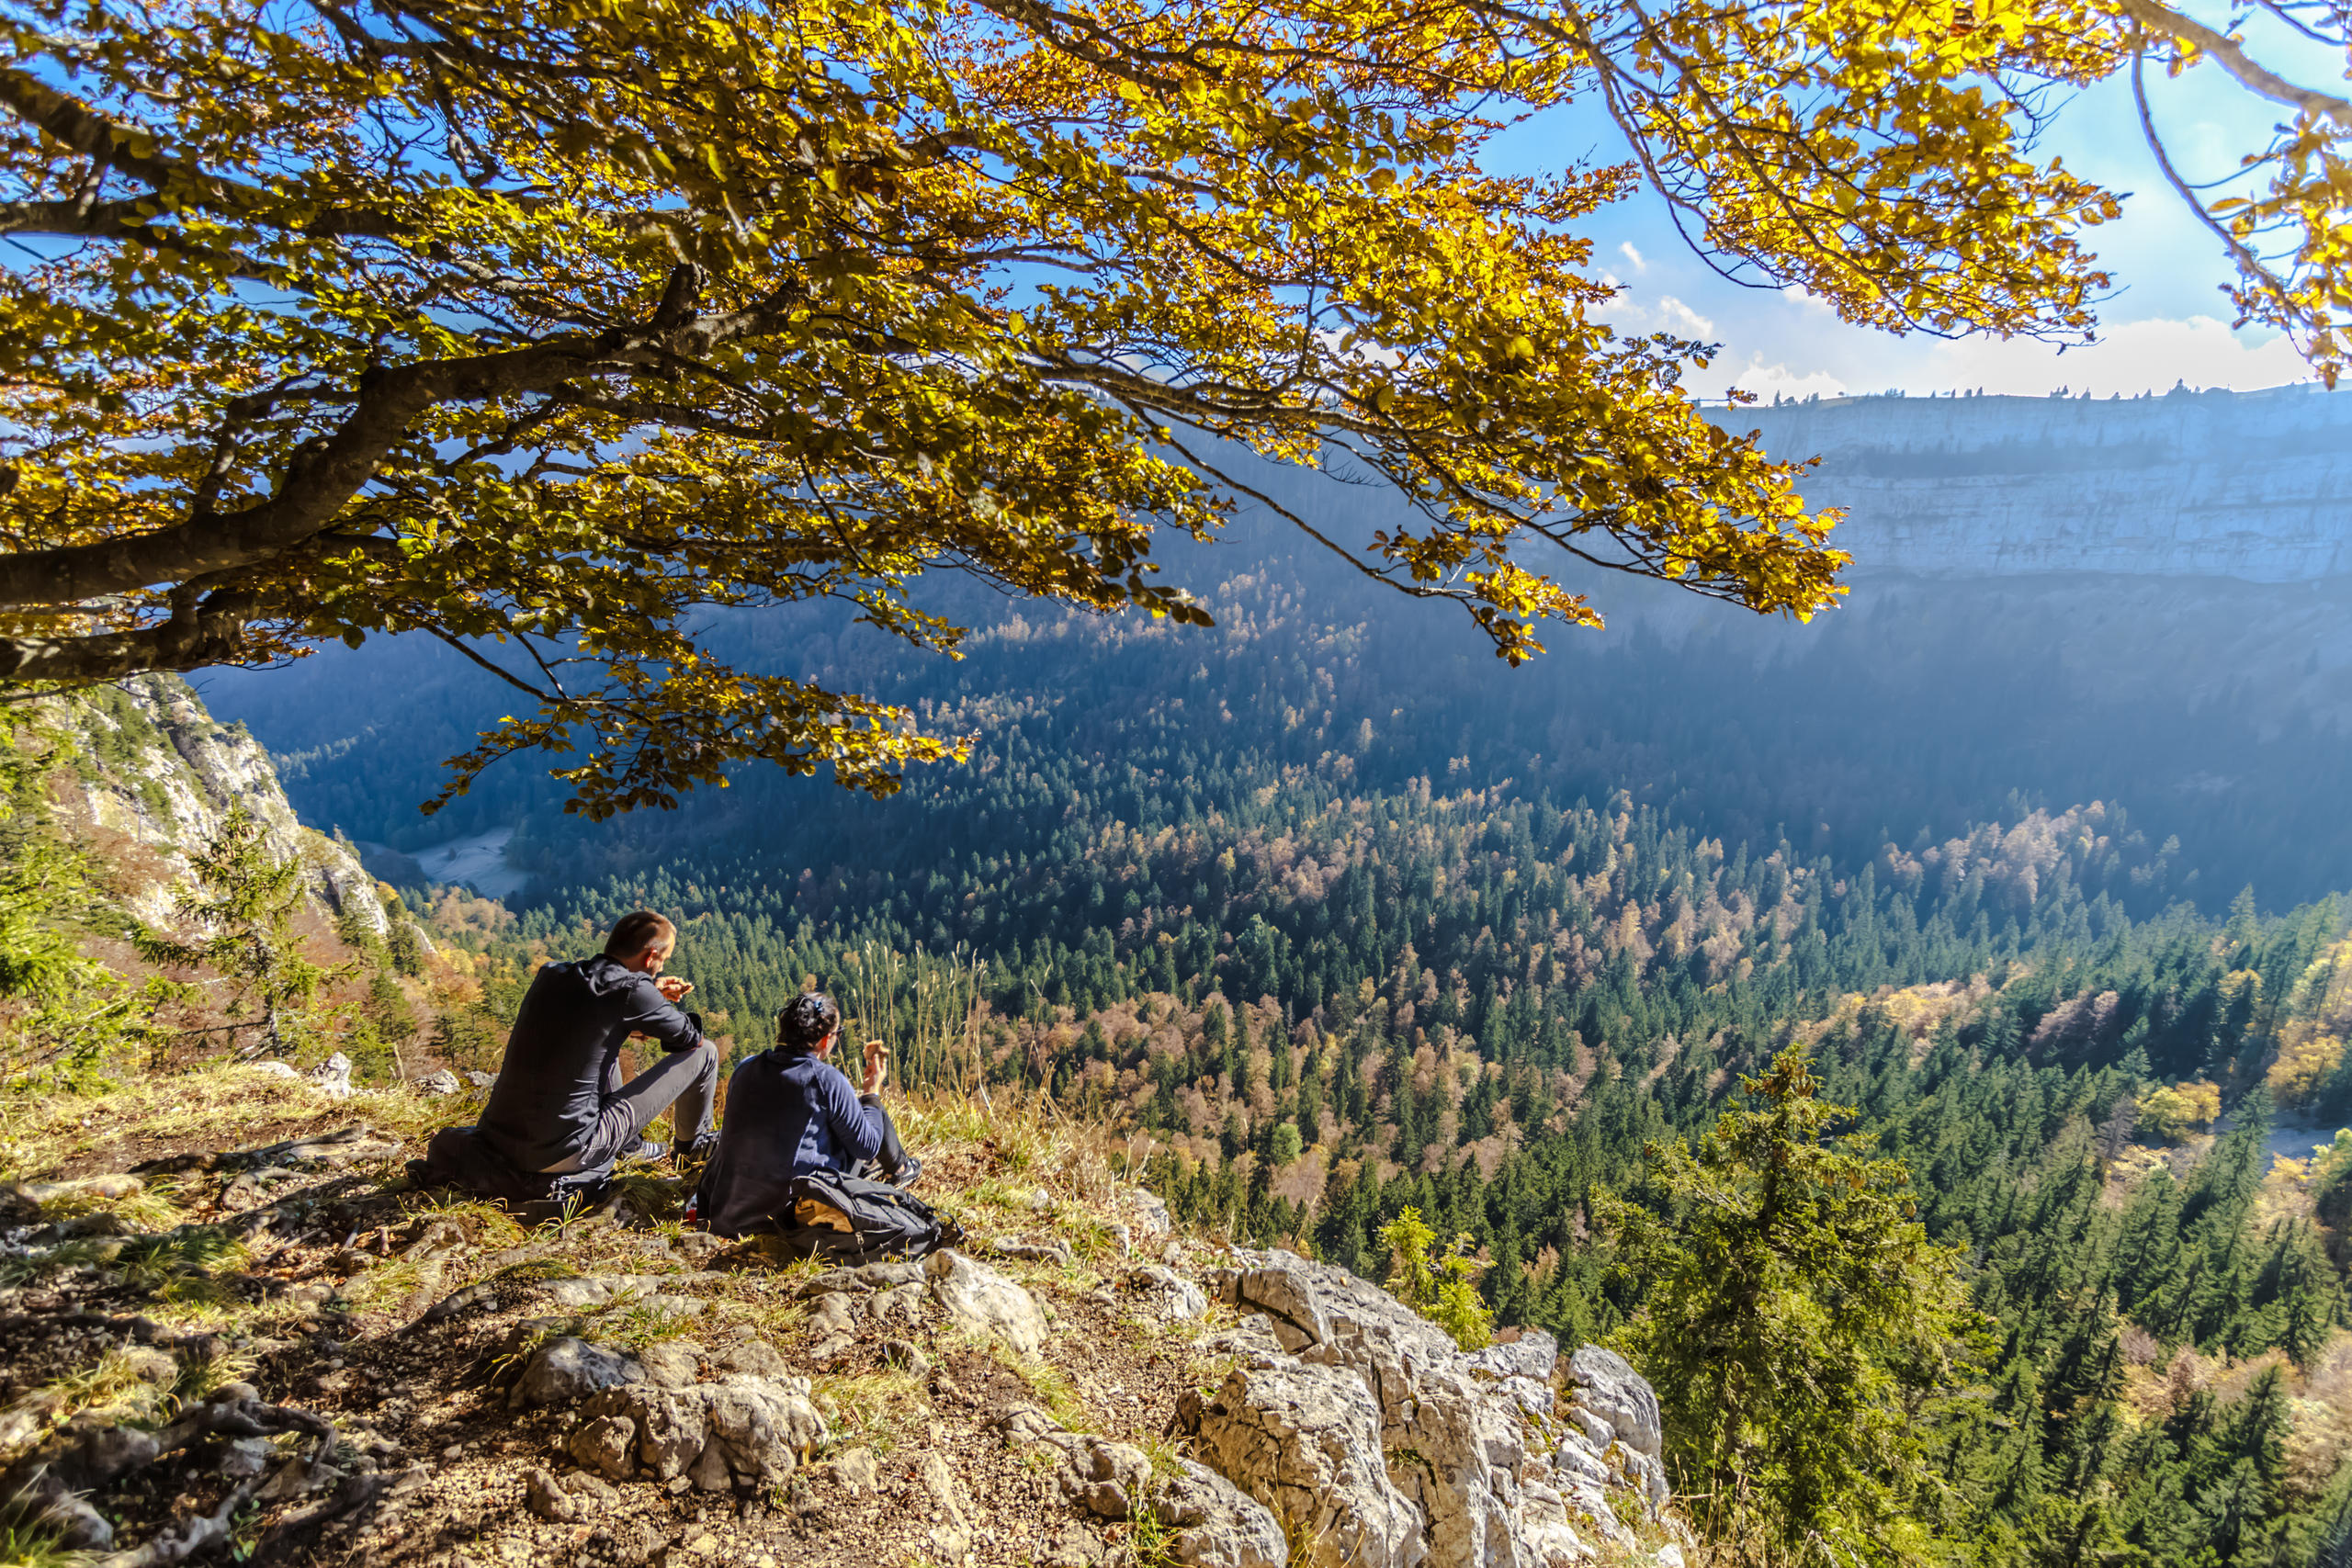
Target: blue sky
[2168,321]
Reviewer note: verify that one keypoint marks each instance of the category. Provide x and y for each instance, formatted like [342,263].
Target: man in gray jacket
[559,1106]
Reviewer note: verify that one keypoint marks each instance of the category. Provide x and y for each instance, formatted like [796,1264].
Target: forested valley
[1325,963]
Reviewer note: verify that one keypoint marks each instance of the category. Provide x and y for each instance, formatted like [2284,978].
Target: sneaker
[690,1157]
[646,1149]
[907,1175]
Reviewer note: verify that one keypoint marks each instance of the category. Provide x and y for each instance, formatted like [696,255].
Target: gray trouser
[689,1080]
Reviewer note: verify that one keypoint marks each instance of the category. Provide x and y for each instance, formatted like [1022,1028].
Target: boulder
[1167,1294]
[674,1363]
[1610,1388]
[333,1077]
[978,1299]
[566,1370]
[740,1430]
[761,1429]
[1466,1439]
[608,1444]
[444,1082]
[1214,1524]
[1304,1442]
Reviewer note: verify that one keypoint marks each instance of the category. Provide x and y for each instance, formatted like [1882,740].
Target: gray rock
[1151,1215]
[708,1472]
[902,1307]
[81,1188]
[698,1248]
[566,1370]
[545,1497]
[333,1077]
[755,1358]
[863,1279]
[1471,1426]
[672,1363]
[762,1428]
[855,1470]
[1533,1355]
[1610,1388]
[483,1080]
[747,1430]
[906,1355]
[244,1458]
[656,1292]
[831,1314]
[441,1083]
[978,1299]
[1304,1442]
[1055,1252]
[1167,1294]
[273,1069]
[608,1444]
[1106,1479]
[1214,1524]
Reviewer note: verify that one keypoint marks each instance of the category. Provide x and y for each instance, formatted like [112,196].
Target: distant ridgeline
[2253,486]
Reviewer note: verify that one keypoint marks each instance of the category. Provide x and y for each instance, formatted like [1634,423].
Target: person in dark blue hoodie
[790,1110]
[559,1106]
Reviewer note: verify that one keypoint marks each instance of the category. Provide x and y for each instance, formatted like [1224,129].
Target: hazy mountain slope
[1966,665]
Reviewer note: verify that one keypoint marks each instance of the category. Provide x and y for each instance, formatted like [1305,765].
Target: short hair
[636,932]
[806,1020]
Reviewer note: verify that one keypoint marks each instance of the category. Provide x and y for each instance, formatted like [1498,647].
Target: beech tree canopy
[548,329]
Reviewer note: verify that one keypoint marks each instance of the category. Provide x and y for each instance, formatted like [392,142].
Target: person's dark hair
[806,1020]
[637,932]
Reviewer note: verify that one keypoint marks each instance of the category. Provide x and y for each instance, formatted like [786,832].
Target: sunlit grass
[216,1105]
[26,1546]
[123,1385]
[1052,1386]
[876,1410]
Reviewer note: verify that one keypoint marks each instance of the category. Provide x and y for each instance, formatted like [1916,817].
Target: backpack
[848,1220]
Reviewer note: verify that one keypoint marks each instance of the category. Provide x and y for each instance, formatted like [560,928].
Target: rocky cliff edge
[272,1347]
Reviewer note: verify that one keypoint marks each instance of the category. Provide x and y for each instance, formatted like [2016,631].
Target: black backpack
[858,1222]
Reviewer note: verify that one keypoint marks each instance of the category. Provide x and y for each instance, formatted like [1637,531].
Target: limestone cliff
[159,770]
[2255,486]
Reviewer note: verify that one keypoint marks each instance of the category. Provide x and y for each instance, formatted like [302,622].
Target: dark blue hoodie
[786,1114]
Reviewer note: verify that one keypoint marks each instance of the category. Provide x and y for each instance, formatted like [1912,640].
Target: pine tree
[1795,1314]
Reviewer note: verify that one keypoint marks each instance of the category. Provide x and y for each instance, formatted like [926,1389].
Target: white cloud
[1632,255]
[2137,356]
[1777,379]
[1666,314]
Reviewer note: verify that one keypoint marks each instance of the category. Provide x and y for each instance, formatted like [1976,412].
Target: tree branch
[2232,57]
[325,474]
